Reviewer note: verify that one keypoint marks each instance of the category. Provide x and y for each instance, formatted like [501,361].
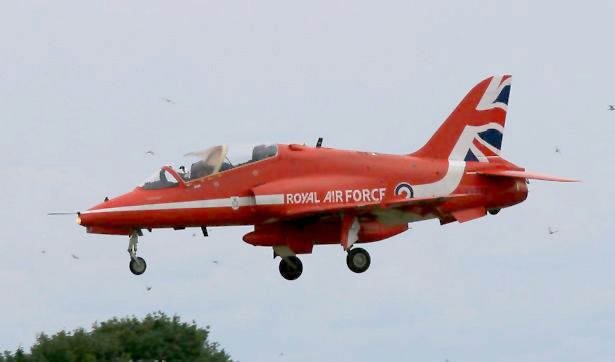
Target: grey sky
[81,88]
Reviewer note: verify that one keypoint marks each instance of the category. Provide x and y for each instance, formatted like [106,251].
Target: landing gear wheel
[291,268]
[358,260]
[137,266]
[494,211]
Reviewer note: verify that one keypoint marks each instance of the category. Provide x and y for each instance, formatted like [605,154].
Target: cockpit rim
[183,183]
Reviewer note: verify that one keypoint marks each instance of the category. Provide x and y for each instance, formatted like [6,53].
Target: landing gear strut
[137,264]
[291,268]
[358,260]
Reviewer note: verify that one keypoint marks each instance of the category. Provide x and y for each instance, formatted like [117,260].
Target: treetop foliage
[155,338]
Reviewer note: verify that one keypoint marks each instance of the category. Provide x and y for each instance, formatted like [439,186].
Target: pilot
[183,174]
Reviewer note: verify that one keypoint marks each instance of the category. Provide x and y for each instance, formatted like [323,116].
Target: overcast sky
[81,88]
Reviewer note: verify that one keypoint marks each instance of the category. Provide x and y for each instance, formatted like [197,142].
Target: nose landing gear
[137,264]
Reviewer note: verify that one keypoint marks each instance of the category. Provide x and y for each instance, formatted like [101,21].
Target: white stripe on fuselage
[200,204]
[446,185]
[456,165]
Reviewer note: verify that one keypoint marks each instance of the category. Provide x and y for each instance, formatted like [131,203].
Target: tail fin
[475,129]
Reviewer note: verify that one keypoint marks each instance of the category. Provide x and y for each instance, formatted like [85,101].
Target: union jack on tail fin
[475,129]
[473,133]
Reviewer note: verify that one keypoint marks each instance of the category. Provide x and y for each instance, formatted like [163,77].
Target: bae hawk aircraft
[298,196]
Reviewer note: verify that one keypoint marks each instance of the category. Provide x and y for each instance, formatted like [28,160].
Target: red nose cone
[105,218]
[99,216]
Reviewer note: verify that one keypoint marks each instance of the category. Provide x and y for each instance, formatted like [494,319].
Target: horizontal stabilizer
[525,174]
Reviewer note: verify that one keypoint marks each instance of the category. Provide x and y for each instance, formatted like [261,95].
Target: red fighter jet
[298,196]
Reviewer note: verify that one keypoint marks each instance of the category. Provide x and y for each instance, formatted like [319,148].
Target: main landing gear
[358,260]
[137,264]
[291,267]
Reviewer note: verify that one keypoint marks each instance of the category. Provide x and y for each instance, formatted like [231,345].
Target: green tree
[155,338]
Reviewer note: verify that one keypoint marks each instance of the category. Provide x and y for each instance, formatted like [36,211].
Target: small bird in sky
[611,108]
[43,251]
[557,150]
[168,100]
[148,288]
[193,235]
[150,153]
[75,257]
[215,262]
[551,232]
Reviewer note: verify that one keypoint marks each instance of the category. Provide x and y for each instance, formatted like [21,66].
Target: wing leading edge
[368,207]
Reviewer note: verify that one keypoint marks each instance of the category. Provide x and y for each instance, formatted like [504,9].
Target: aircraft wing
[367,207]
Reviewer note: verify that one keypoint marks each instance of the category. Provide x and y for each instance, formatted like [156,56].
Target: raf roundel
[405,189]
[235,202]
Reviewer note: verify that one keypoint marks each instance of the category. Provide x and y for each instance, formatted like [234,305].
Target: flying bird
[148,288]
[611,108]
[75,257]
[168,100]
[557,150]
[150,153]
[551,232]
[215,262]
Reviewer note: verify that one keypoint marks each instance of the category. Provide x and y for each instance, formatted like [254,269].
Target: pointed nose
[98,216]
[89,217]
[116,212]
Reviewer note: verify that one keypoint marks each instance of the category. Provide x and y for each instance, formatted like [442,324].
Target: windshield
[161,179]
[221,158]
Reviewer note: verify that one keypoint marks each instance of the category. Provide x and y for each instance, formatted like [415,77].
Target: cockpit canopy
[210,162]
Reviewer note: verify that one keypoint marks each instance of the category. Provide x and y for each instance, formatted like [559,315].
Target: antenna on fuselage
[319,143]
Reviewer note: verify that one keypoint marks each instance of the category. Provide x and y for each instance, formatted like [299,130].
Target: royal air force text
[337,196]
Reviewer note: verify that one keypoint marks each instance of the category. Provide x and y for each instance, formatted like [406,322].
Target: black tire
[288,271]
[358,260]
[137,267]
[494,211]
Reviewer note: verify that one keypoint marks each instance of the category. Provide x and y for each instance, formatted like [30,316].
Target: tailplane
[475,129]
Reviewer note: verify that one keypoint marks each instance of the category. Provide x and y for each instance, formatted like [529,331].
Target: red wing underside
[364,208]
[469,214]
